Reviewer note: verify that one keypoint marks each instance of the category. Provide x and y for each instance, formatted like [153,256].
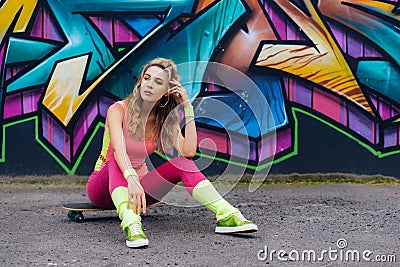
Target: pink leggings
[156,183]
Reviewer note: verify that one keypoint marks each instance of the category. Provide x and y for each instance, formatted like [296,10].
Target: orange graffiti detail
[335,6]
[257,29]
[322,63]
[202,4]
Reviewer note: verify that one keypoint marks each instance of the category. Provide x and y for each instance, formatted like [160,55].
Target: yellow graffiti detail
[386,8]
[10,9]
[323,64]
[62,95]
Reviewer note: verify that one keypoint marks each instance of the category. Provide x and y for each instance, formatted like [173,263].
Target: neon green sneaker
[135,237]
[235,223]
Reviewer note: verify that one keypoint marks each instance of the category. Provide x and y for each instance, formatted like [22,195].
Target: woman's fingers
[128,206]
[172,89]
[144,203]
[138,204]
[179,93]
[137,196]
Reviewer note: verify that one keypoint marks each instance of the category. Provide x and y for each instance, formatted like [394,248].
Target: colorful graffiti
[63,63]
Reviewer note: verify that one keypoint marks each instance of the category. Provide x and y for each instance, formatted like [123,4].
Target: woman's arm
[187,145]
[115,117]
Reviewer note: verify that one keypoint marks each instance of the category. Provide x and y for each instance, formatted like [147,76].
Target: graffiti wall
[328,69]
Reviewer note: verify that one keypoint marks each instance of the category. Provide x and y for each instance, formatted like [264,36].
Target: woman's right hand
[136,193]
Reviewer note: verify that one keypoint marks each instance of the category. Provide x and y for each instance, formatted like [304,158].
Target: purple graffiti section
[68,143]
[96,109]
[114,30]
[351,44]
[285,29]
[44,26]
[55,135]
[83,124]
[21,103]
[1,57]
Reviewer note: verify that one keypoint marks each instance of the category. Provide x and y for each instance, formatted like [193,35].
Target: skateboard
[76,210]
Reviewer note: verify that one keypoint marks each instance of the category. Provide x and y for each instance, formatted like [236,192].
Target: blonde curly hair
[166,125]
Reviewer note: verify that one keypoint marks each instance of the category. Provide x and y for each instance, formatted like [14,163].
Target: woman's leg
[97,189]
[118,189]
[160,181]
[130,221]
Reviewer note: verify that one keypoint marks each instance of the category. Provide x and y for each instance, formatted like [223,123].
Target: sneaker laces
[240,215]
[136,229]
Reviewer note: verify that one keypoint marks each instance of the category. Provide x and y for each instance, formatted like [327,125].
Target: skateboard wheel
[75,216]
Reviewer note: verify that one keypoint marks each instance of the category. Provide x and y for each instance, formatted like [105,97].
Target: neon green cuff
[189,111]
[130,172]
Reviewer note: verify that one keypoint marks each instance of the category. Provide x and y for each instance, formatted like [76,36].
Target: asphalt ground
[299,225]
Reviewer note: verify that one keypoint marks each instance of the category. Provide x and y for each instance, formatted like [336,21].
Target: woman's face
[154,85]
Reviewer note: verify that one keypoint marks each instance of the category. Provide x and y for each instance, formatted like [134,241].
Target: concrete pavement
[298,224]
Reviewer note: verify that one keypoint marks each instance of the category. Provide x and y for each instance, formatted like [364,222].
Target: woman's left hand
[179,93]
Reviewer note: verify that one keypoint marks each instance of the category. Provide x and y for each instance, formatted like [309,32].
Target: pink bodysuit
[137,150]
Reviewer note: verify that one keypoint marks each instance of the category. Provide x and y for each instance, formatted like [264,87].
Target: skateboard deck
[75,210]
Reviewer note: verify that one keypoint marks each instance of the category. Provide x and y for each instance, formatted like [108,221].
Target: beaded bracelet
[189,111]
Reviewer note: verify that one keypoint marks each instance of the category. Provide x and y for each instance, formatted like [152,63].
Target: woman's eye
[146,77]
[159,82]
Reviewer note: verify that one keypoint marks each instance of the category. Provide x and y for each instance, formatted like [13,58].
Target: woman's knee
[97,191]
[184,164]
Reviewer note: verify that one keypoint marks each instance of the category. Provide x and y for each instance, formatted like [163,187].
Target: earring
[166,102]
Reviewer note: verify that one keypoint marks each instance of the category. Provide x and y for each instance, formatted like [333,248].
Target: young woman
[136,126]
